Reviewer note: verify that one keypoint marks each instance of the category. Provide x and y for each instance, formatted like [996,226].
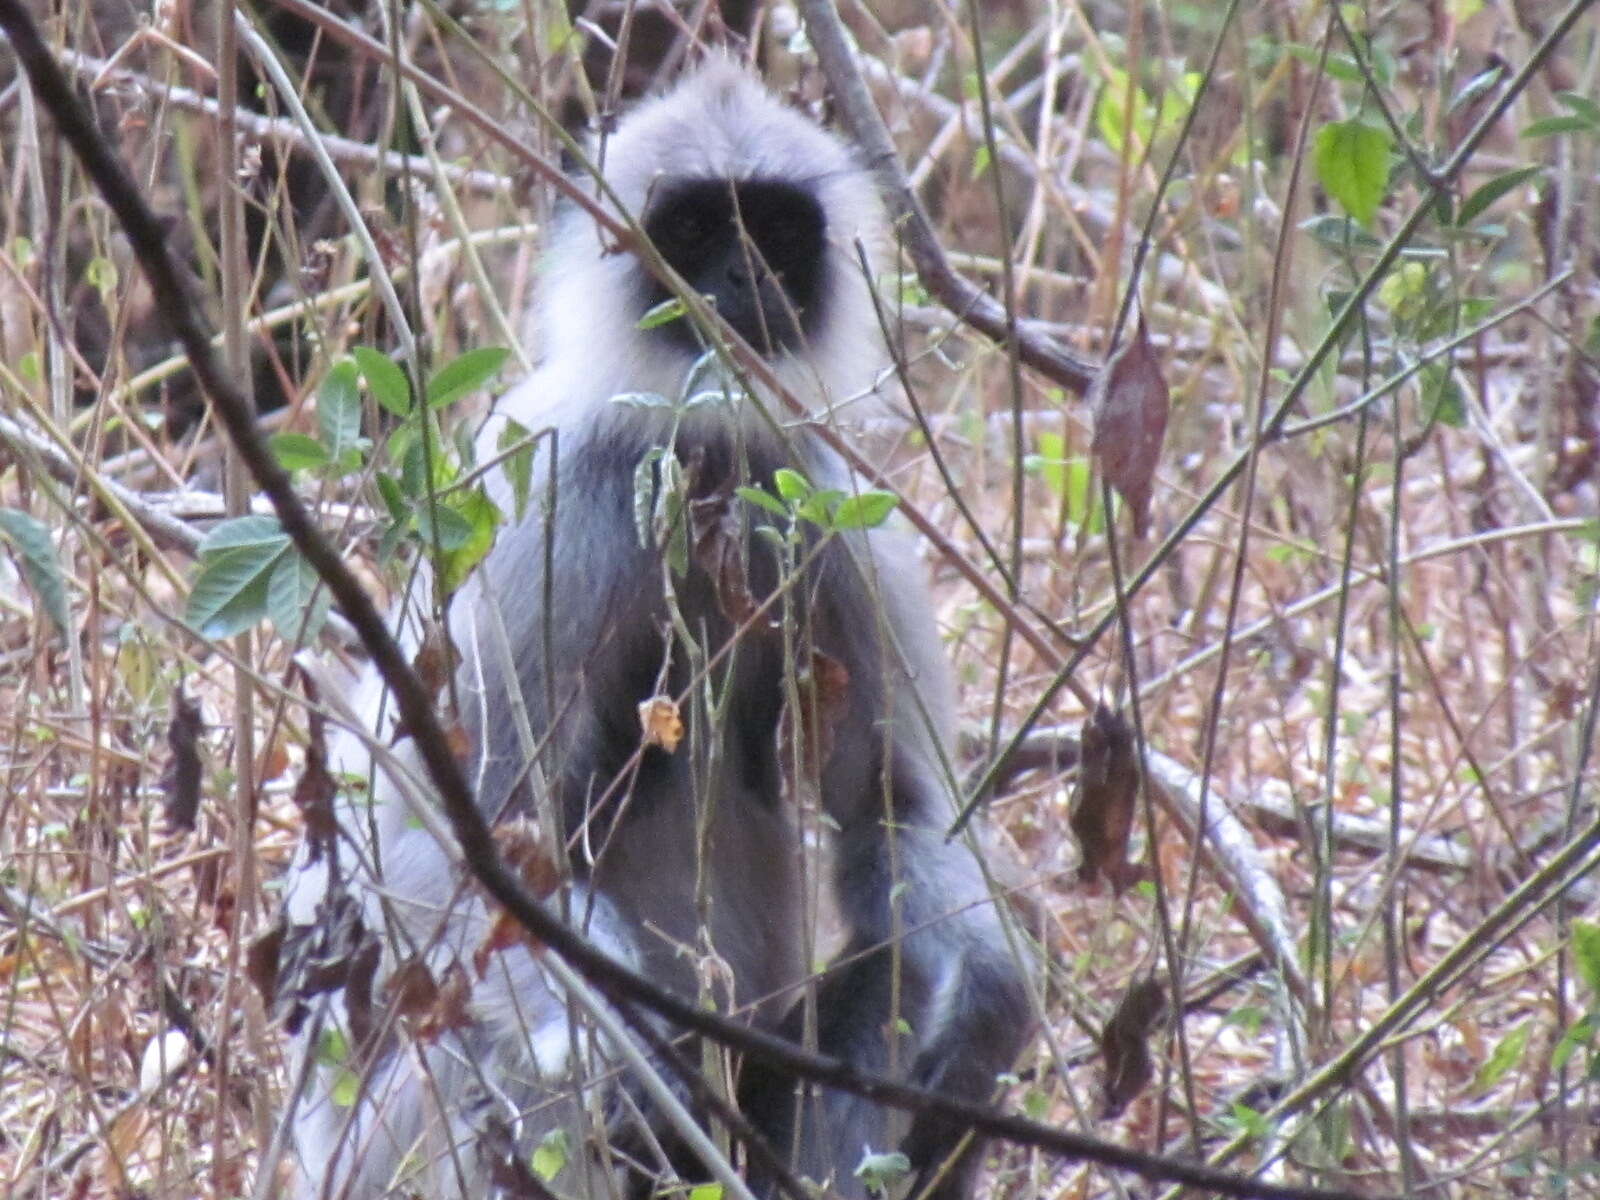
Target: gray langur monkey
[689,865]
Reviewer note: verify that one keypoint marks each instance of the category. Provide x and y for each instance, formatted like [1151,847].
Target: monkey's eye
[682,228]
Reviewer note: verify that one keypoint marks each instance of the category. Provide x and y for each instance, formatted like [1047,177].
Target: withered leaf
[314,791]
[1125,1043]
[435,662]
[822,694]
[526,850]
[180,781]
[718,548]
[662,726]
[505,933]
[411,989]
[1104,804]
[437,658]
[316,958]
[261,962]
[359,974]
[1128,404]
[450,1008]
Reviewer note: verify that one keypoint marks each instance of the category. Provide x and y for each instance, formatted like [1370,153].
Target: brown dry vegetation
[1370,656]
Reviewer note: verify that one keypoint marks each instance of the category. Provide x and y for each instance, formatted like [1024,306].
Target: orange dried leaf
[662,726]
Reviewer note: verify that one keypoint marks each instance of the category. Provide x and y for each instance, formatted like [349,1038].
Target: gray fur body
[695,857]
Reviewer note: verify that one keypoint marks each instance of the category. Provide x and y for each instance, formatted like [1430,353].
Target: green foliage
[829,509]
[1506,1054]
[1070,480]
[1352,159]
[1149,116]
[465,374]
[1583,116]
[36,554]
[1586,956]
[551,1155]
[881,1172]
[250,571]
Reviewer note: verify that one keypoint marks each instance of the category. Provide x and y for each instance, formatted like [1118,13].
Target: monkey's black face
[757,248]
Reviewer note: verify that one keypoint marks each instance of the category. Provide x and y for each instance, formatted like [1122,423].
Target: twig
[973,305]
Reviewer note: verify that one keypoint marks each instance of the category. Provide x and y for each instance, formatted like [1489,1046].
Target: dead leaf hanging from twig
[1128,402]
[180,782]
[1125,1043]
[1103,806]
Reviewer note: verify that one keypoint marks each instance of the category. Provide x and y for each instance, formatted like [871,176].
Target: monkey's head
[759,210]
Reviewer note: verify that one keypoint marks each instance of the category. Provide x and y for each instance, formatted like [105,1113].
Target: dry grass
[1375,649]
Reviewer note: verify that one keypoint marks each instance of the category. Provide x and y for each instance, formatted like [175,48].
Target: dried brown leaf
[180,782]
[718,542]
[261,963]
[505,933]
[451,1006]
[411,989]
[1128,404]
[315,790]
[360,971]
[821,694]
[526,850]
[1125,1043]
[1105,802]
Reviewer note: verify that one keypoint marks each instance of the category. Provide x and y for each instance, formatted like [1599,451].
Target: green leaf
[880,1172]
[1478,85]
[339,411]
[641,400]
[298,451]
[482,518]
[550,1155]
[1586,953]
[791,485]
[1581,1034]
[518,465]
[1353,165]
[866,511]
[762,499]
[1251,1121]
[1340,233]
[229,594]
[297,605]
[1442,396]
[1583,106]
[1550,126]
[1503,1057]
[1050,461]
[668,310]
[440,524]
[644,495]
[706,1191]
[346,1089]
[1342,67]
[1486,194]
[36,554]
[385,379]
[464,374]
[255,530]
